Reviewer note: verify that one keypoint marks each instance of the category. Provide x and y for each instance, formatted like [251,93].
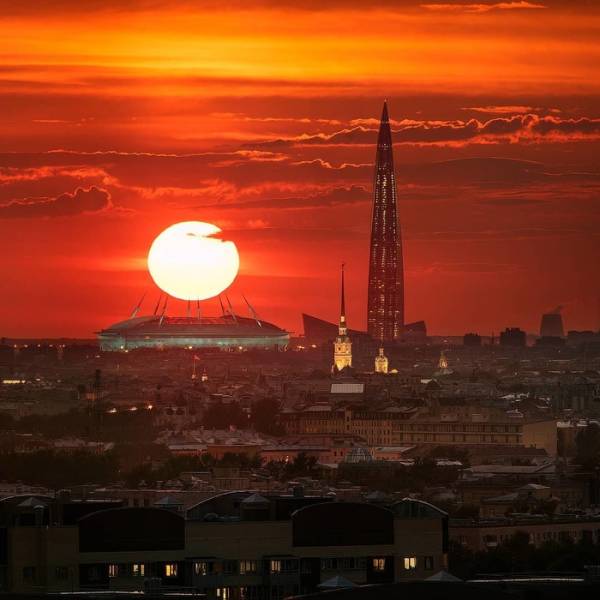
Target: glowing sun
[186,262]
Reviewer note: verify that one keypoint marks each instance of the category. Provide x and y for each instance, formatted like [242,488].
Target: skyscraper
[342,347]
[552,324]
[385,307]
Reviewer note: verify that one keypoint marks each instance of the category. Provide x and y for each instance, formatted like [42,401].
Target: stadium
[227,332]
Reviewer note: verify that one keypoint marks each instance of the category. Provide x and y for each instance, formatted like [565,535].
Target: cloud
[481,7]
[66,205]
[522,128]
[469,267]
[326,198]
[510,109]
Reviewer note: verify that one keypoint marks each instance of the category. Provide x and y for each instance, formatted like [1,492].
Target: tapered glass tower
[385,307]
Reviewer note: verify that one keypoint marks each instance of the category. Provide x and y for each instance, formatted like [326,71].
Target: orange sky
[119,118]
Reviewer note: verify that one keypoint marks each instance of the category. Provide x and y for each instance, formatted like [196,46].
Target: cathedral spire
[343,330]
[342,347]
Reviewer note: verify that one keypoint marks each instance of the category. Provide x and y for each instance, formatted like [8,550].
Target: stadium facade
[227,332]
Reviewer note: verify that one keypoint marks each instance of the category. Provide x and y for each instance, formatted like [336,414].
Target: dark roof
[411,508]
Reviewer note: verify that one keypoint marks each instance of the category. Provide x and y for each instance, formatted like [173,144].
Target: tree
[265,414]
[223,416]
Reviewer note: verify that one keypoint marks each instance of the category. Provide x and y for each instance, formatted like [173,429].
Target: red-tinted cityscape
[300,299]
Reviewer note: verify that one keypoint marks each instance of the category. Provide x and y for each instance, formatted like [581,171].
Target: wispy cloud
[481,7]
[66,205]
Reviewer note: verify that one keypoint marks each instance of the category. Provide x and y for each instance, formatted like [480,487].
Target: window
[305,566]
[61,573]
[28,573]
[171,570]
[428,563]
[275,566]
[230,566]
[289,566]
[138,569]
[203,567]
[379,564]
[328,564]
[410,563]
[113,570]
[248,567]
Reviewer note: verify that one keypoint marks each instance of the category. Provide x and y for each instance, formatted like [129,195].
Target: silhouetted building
[319,331]
[550,341]
[471,339]
[575,338]
[385,310]
[415,332]
[552,324]
[513,336]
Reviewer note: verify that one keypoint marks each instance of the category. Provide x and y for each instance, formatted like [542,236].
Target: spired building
[381,362]
[342,347]
[385,307]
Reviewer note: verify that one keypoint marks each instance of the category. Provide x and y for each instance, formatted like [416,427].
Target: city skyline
[113,132]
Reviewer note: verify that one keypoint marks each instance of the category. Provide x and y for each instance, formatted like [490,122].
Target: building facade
[478,431]
[233,546]
[490,533]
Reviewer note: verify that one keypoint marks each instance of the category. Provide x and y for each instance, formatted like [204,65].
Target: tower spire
[342,347]
[385,118]
[343,330]
[385,312]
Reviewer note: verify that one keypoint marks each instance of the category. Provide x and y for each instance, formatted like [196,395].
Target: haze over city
[121,118]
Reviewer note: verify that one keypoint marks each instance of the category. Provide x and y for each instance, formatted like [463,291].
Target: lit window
[203,567]
[275,566]
[171,570]
[113,570]
[138,570]
[410,563]
[248,567]
[379,564]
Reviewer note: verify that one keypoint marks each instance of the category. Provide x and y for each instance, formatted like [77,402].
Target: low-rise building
[488,533]
[235,545]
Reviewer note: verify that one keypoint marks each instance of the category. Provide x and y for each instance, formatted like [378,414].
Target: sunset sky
[119,118]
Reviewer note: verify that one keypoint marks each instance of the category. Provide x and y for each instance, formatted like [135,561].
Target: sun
[188,263]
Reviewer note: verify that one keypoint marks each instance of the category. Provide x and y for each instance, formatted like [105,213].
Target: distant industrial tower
[552,324]
[342,347]
[381,362]
[385,307]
